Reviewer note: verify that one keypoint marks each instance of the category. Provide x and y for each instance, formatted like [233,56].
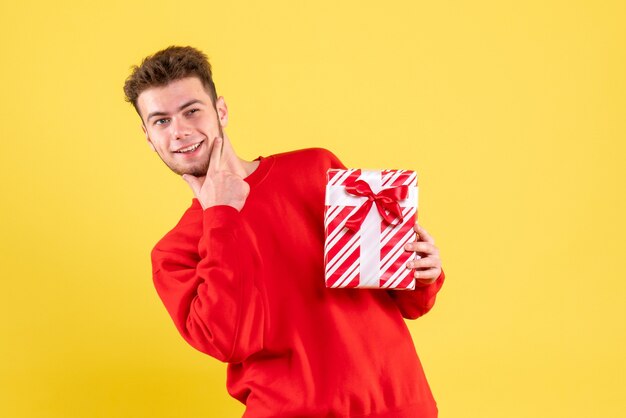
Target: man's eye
[160,121]
[193,111]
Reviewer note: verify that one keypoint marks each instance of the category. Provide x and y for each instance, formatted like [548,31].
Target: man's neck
[233,163]
[250,166]
[239,166]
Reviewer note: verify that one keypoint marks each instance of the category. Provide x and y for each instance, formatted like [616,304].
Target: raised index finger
[215,157]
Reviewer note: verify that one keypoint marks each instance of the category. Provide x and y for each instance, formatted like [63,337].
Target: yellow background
[511,112]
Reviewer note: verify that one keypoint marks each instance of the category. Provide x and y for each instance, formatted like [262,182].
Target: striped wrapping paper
[374,255]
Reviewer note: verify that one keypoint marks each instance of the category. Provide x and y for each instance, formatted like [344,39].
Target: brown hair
[167,65]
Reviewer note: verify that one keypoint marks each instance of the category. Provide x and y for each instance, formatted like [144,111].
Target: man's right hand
[219,187]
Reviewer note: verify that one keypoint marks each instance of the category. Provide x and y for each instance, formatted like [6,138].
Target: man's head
[174,95]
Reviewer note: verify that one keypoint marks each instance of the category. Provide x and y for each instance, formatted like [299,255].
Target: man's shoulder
[306,157]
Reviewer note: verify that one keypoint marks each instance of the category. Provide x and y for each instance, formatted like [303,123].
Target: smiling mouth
[190,148]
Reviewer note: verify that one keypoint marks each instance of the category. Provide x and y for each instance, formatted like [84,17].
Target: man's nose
[180,129]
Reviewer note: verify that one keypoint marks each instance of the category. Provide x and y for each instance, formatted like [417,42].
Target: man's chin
[198,171]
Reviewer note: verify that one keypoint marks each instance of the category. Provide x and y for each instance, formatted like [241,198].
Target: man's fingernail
[407,247]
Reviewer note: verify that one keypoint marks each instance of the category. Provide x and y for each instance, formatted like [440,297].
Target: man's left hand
[427,268]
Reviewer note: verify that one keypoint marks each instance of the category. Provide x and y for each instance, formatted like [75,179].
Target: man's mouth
[190,148]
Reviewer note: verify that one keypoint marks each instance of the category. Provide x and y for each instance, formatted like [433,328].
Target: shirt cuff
[220,216]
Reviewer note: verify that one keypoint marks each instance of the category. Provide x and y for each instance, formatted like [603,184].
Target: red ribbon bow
[386,202]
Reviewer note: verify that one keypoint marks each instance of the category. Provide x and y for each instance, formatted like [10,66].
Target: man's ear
[143,128]
[222,111]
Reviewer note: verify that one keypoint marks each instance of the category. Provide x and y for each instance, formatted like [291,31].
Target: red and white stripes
[374,257]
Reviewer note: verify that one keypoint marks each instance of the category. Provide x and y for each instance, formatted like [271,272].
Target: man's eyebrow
[189,103]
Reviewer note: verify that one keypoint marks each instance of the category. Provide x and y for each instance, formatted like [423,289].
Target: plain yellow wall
[513,114]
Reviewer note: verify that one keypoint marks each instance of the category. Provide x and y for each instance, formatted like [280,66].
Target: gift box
[368,218]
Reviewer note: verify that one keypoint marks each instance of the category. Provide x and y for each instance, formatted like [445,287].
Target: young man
[242,273]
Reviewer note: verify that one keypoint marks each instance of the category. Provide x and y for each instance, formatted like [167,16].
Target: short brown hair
[169,64]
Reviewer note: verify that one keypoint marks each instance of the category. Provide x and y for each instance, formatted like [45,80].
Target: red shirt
[248,289]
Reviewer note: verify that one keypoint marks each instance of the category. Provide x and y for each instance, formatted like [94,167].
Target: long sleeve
[415,303]
[211,286]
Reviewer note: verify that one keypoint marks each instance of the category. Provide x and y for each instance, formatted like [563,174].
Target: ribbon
[386,202]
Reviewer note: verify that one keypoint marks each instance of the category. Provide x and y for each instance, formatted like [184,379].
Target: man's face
[180,123]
